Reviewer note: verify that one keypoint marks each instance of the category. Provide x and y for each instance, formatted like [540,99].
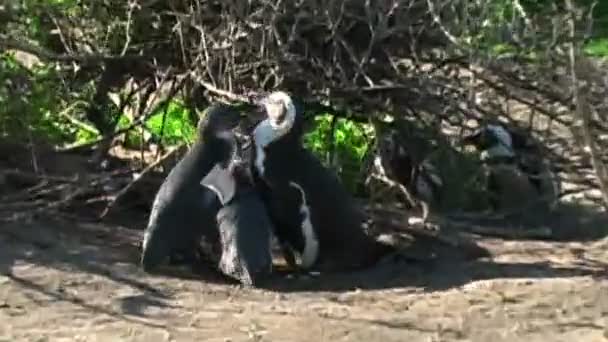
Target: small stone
[415,221]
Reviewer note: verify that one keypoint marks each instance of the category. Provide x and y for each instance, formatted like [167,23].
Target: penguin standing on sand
[244,225]
[184,210]
[313,214]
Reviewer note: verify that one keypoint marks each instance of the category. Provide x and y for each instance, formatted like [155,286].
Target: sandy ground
[79,282]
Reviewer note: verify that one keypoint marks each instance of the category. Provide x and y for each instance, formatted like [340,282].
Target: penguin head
[489,136]
[493,140]
[218,120]
[280,109]
[280,118]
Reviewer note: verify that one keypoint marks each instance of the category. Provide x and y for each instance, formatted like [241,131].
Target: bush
[30,101]
[350,143]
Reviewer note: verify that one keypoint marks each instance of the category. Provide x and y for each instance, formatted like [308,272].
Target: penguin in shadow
[315,218]
[184,210]
[512,179]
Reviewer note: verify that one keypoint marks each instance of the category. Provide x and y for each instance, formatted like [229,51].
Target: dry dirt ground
[69,281]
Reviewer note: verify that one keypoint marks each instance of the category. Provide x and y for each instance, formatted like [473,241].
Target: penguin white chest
[311,243]
[263,135]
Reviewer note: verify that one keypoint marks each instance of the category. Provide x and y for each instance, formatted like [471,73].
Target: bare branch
[12,44]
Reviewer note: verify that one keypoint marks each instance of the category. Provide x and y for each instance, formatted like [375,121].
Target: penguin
[513,167]
[244,226]
[184,210]
[494,142]
[315,217]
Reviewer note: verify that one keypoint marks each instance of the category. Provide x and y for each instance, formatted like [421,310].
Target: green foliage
[485,34]
[169,125]
[133,137]
[597,48]
[30,100]
[461,174]
[172,124]
[45,108]
[35,21]
[502,49]
[83,136]
[350,143]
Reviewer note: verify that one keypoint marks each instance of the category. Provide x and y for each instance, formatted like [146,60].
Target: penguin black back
[184,210]
[334,214]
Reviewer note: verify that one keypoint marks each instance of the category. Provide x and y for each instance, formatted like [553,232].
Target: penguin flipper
[220,181]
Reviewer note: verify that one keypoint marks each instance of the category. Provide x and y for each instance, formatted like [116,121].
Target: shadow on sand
[85,251]
[112,252]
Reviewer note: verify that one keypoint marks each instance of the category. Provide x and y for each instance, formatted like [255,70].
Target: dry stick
[41,188]
[23,175]
[9,43]
[128,37]
[425,233]
[52,205]
[396,185]
[456,222]
[468,226]
[140,121]
[62,36]
[450,238]
[20,206]
[49,185]
[520,210]
[33,152]
[25,193]
[521,100]
[224,93]
[76,122]
[582,110]
[497,231]
[125,190]
[424,206]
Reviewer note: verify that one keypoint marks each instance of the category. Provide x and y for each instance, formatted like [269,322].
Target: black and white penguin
[311,210]
[514,166]
[494,142]
[244,225]
[184,211]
